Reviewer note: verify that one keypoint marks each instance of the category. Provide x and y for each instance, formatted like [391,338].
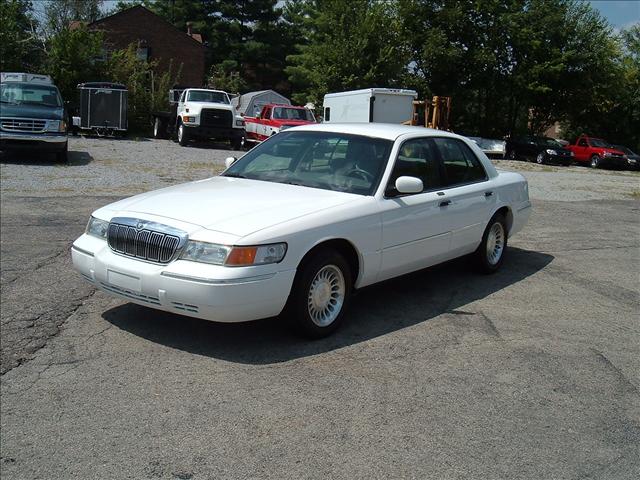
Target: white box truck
[379,105]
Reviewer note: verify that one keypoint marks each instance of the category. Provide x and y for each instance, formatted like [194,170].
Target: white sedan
[301,221]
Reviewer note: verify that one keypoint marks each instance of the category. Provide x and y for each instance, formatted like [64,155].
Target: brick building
[156,39]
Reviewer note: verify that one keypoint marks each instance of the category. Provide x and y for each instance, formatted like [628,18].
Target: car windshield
[208,96]
[597,142]
[297,114]
[330,161]
[26,93]
[548,142]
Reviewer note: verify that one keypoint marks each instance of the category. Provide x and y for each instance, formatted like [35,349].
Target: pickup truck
[597,152]
[32,115]
[274,118]
[199,113]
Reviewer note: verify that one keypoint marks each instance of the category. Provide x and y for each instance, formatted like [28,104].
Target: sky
[620,13]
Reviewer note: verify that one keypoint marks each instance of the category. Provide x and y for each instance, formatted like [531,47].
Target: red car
[597,152]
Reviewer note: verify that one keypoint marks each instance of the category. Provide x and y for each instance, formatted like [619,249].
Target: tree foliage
[60,13]
[19,45]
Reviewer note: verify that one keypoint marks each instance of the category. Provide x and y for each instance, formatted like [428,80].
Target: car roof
[388,131]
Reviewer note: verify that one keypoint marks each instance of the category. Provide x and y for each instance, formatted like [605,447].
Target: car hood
[31,111]
[231,205]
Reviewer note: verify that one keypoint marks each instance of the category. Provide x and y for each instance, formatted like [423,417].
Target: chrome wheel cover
[326,295]
[540,158]
[156,128]
[495,243]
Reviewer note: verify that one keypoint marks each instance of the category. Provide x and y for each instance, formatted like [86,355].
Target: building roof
[196,37]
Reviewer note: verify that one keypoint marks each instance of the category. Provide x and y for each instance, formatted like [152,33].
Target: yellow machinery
[433,114]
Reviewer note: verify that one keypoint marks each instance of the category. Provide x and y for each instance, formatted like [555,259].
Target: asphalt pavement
[531,373]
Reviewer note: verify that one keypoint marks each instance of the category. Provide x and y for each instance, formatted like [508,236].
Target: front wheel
[63,155]
[183,136]
[490,254]
[540,158]
[595,161]
[320,294]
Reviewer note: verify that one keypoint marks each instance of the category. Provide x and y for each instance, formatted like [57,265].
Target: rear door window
[461,166]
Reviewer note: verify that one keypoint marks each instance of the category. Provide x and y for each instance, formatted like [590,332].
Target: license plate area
[123,280]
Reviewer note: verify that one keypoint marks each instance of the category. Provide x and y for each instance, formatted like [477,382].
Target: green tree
[347,44]
[60,13]
[75,57]
[19,45]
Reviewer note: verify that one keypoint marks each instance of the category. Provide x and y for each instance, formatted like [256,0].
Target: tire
[158,128]
[183,136]
[512,155]
[540,158]
[490,253]
[595,161]
[322,279]
[237,143]
[63,155]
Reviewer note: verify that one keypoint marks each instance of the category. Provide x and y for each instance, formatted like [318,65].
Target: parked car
[301,221]
[32,115]
[492,148]
[633,159]
[273,118]
[597,153]
[537,149]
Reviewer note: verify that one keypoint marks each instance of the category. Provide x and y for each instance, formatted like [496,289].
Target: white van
[379,105]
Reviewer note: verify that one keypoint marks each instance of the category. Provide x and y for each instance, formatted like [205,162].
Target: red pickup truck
[597,152]
[273,118]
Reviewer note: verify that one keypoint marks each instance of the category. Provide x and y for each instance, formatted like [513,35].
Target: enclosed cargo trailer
[103,108]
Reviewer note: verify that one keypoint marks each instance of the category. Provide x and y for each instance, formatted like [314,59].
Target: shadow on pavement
[75,158]
[375,311]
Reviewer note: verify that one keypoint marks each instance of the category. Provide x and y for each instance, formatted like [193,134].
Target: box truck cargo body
[379,105]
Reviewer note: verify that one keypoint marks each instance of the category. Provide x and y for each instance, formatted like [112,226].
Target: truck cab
[32,115]
[596,152]
[207,114]
[274,118]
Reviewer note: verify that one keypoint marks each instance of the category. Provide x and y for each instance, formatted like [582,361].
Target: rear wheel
[158,128]
[540,158]
[512,155]
[490,254]
[595,161]
[320,294]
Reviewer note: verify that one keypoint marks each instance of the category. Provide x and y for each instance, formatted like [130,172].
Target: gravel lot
[530,373]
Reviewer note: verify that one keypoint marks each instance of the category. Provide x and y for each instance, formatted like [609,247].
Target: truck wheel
[595,161]
[183,136]
[237,143]
[62,156]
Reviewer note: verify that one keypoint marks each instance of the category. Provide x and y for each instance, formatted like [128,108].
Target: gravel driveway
[529,373]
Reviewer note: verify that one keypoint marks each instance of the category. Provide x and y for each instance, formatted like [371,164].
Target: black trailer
[103,108]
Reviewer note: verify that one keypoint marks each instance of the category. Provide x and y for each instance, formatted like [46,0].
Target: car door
[415,233]
[582,150]
[265,122]
[469,192]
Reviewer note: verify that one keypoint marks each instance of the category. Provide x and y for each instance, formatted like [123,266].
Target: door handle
[444,203]
[488,194]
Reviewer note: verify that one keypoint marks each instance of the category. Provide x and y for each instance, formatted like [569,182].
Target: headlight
[552,152]
[63,126]
[97,228]
[54,126]
[572,154]
[189,119]
[216,254]
[606,154]
[239,123]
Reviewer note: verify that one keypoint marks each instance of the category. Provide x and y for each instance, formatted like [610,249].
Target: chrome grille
[23,125]
[148,241]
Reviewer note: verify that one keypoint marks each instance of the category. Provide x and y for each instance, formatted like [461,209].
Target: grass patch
[635,194]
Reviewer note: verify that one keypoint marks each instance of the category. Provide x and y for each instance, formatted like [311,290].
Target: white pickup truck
[200,113]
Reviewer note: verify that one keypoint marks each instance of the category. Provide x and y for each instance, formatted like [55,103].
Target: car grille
[212,117]
[23,125]
[143,243]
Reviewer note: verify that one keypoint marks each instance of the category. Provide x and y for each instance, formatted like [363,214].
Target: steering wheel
[359,174]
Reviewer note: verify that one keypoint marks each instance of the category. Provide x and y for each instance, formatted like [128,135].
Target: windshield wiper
[233,175]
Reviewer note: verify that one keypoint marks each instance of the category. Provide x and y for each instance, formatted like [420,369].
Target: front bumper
[210,292]
[561,159]
[49,142]
[214,132]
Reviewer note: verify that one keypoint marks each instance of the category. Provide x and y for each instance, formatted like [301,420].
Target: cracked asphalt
[530,373]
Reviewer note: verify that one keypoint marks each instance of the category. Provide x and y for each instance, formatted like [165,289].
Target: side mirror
[409,185]
[229,161]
